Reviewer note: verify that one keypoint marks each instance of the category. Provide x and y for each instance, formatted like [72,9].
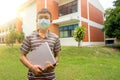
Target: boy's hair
[44,10]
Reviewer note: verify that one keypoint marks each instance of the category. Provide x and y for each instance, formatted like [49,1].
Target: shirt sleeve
[57,46]
[25,46]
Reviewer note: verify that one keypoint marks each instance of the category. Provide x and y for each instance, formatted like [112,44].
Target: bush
[12,36]
[79,34]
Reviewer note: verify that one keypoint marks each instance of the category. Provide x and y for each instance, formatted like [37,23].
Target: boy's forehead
[43,14]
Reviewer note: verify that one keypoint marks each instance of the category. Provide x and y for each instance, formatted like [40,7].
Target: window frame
[69,29]
[68,8]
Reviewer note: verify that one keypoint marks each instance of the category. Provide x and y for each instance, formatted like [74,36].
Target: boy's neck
[42,33]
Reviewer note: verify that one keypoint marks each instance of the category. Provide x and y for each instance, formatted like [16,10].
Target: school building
[5,28]
[66,16]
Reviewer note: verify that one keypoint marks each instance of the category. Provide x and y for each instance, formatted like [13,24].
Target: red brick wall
[18,24]
[53,7]
[95,14]
[40,4]
[86,34]
[84,8]
[96,35]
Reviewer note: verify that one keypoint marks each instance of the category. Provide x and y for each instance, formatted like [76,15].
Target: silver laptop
[40,55]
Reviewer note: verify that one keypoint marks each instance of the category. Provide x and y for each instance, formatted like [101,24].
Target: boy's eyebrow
[45,16]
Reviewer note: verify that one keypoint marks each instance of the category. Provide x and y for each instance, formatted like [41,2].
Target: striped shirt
[32,41]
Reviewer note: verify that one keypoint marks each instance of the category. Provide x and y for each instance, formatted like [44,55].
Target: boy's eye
[40,17]
[45,17]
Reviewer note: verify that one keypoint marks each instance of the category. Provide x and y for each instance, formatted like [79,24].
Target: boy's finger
[40,67]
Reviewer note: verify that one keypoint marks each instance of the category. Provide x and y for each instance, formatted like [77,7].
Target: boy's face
[43,16]
[43,21]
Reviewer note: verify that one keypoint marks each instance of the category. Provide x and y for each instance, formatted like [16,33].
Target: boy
[41,35]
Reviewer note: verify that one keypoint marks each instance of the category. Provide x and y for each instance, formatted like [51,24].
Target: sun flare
[8,9]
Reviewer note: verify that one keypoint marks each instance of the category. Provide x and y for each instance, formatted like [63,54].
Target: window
[67,31]
[68,8]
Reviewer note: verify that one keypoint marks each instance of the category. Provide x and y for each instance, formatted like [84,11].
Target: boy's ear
[51,21]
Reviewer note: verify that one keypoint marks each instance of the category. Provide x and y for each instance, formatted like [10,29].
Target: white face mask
[43,23]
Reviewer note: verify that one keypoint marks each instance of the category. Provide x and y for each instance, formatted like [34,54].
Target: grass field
[86,63]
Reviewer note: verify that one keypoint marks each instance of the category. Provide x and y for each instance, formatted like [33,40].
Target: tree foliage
[116,3]
[20,36]
[107,12]
[112,24]
[79,34]
[12,36]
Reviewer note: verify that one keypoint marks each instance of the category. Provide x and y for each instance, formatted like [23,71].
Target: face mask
[44,23]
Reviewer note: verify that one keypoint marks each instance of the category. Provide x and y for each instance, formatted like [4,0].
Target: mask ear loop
[50,21]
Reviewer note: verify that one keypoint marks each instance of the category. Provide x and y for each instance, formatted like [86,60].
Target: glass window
[66,28]
[61,28]
[61,34]
[72,32]
[67,31]
[68,8]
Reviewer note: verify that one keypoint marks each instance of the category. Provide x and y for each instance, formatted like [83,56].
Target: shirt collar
[46,36]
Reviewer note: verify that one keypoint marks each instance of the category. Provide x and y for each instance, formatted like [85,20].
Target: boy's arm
[25,61]
[56,55]
[36,69]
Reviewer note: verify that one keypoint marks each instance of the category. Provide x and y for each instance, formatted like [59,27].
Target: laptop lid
[40,55]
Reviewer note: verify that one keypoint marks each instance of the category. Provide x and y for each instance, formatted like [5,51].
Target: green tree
[11,37]
[112,24]
[107,12]
[116,3]
[79,34]
[20,36]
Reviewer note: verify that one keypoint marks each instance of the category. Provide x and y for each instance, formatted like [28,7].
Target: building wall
[40,4]
[53,7]
[96,35]
[84,9]
[90,14]
[29,19]
[92,17]
[68,41]
[62,2]
[86,33]
[95,14]
[96,18]
[18,24]
[5,28]
[96,4]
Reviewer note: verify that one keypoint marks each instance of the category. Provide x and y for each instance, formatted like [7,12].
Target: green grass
[118,43]
[10,66]
[86,63]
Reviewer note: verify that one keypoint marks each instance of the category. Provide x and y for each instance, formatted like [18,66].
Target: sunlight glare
[22,14]
[8,9]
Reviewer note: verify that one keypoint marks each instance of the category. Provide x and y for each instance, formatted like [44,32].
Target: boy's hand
[49,67]
[37,70]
